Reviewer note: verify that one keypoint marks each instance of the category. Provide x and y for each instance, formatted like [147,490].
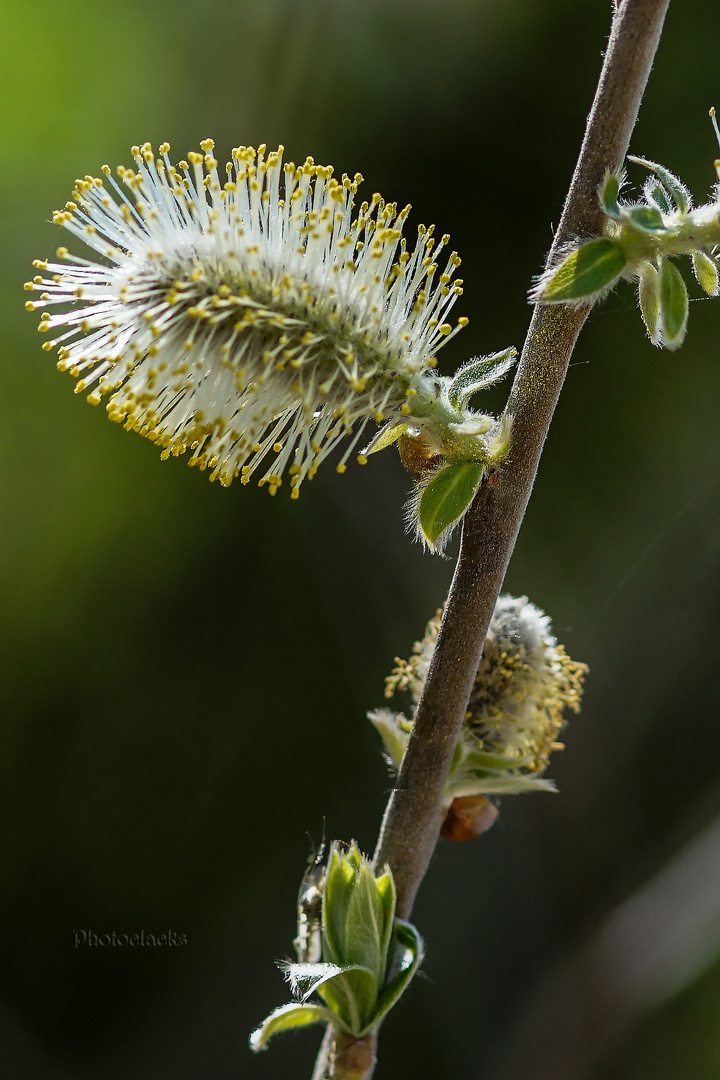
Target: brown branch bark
[411,824]
[412,819]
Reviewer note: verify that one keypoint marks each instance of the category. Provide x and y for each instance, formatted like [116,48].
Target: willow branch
[412,819]
[411,825]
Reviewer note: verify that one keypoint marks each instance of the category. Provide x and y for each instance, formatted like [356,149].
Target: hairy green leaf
[673,305]
[476,759]
[365,926]
[656,195]
[407,952]
[339,883]
[646,218]
[584,273]
[287,1017]
[388,898]
[500,783]
[351,995]
[385,437]
[304,979]
[394,736]
[649,297]
[706,271]
[447,497]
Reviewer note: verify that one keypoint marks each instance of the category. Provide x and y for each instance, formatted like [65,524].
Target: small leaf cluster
[368,956]
[450,462]
[638,243]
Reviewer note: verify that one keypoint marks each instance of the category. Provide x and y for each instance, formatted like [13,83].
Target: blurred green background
[186,669]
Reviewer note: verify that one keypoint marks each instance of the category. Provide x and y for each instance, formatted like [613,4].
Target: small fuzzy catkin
[524,684]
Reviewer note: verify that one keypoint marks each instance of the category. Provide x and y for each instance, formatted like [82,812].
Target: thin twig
[411,824]
[412,819]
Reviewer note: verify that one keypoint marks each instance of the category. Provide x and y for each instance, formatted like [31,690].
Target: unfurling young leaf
[649,297]
[406,954]
[706,271]
[586,272]
[385,437]
[478,374]
[394,730]
[608,192]
[286,1018]
[350,993]
[656,195]
[673,305]
[681,195]
[647,218]
[446,498]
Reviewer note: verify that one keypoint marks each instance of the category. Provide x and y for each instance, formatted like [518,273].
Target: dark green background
[186,669]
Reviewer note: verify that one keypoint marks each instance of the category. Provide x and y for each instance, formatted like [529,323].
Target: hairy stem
[412,819]
[411,824]
[342,1057]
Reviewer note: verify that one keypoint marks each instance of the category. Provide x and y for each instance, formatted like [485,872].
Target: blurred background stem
[643,954]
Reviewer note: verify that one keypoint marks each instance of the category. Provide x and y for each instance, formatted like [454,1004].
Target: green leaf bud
[673,305]
[358,913]
[368,957]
